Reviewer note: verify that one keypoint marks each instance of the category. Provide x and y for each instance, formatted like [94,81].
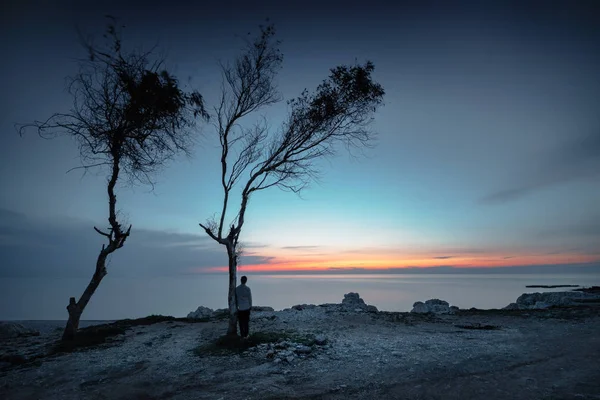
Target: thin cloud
[579,159]
[515,269]
[442,257]
[301,247]
[254,245]
[589,228]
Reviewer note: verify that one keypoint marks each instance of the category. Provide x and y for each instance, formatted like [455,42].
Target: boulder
[372,309]
[353,302]
[533,301]
[434,306]
[12,330]
[320,340]
[201,312]
[301,349]
[420,307]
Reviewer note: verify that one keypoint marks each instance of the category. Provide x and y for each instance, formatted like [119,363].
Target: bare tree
[337,113]
[129,116]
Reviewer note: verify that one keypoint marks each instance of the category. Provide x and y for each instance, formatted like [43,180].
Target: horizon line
[593,267]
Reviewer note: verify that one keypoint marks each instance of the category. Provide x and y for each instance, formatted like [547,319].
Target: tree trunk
[232,328]
[76,309]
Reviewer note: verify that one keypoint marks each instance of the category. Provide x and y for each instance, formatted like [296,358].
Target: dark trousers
[244,321]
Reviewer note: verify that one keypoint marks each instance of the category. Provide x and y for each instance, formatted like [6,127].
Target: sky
[488,149]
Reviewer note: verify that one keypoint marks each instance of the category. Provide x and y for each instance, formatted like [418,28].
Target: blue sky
[488,151]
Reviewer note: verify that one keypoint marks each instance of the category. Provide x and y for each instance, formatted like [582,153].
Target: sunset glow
[390,261]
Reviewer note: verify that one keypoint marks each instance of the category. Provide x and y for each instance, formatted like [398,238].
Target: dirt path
[521,355]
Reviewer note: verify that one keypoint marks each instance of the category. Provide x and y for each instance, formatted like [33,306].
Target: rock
[353,302]
[353,299]
[201,312]
[320,340]
[281,345]
[284,353]
[270,354]
[435,306]
[277,360]
[530,301]
[289,358]
[301,349]
[437,302]
[301,307]
[12,330]
[420,307]
[372,309]
[262,308]
[540,305]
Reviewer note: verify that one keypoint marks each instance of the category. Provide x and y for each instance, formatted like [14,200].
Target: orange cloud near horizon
[328,262]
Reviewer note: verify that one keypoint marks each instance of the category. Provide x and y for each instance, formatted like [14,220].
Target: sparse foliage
[337,113]
[130,116]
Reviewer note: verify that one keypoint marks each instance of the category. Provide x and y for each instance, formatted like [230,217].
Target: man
[243,302]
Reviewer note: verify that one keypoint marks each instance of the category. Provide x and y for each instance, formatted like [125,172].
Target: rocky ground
[321,352]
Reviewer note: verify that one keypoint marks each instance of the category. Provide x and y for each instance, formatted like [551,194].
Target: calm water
[116,298]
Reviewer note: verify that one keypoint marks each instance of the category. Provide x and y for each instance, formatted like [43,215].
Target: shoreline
[335,351]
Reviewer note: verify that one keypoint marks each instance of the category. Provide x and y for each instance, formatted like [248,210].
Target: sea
[117,298]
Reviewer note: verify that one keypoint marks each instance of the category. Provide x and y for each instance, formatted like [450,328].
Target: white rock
[201,312]
[530,300]
[435,306]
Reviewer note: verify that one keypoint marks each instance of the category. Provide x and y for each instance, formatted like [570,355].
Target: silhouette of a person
[243,302]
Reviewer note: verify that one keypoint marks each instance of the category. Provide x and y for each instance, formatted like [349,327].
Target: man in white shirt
[243,301]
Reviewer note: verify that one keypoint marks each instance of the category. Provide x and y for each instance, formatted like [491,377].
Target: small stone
[320,340]
[289,359]
[277,361]
[303,349]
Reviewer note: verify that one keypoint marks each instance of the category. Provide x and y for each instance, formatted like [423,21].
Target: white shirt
[243,297]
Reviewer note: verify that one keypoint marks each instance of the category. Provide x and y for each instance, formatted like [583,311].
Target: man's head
[244,279]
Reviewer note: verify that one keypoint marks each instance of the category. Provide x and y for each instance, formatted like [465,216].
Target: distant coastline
[550,286]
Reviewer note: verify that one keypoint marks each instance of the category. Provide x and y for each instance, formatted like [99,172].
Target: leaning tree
[129,116]
[337,113]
